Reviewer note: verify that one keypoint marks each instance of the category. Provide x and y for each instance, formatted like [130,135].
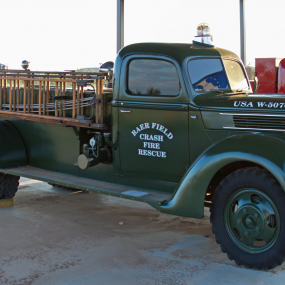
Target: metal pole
[120,24]
[242,32]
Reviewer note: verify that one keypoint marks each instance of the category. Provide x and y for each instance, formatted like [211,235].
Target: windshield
[235,75]
[209,74]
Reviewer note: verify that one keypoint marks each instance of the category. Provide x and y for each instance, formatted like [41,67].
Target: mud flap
[12,148]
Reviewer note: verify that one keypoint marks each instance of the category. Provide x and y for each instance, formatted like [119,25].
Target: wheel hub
[252,220]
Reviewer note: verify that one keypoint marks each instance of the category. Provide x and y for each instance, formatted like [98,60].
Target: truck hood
[246,112]
[245,102]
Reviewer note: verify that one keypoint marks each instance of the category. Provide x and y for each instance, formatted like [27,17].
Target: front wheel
[8,185]
[248,218]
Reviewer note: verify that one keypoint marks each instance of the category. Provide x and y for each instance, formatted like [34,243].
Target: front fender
[12,148]
[264,150]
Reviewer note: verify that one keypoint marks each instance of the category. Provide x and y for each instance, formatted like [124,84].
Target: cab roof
[177,51]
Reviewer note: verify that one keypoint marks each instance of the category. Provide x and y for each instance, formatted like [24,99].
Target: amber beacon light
[204,35]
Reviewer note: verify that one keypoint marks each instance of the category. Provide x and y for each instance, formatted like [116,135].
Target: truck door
[153,119]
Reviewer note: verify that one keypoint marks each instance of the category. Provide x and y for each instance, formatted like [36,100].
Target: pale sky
[69,34]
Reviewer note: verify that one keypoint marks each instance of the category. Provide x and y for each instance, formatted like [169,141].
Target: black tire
[248,218]
[2,183]
[8,185]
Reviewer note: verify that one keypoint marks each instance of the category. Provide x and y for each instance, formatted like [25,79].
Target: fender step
[143,195]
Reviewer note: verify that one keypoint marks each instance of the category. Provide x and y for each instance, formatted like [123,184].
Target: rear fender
[264,150]
[12,148]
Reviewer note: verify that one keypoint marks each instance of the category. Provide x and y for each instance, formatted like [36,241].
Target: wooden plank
[78,101]
[53,77]
[5,91]
[33,94]
[82,97]
[25,96]
[51,119]
[64,93]
[28,96]
[44,98]
[101,103]
[60,101]
[48,88]
[20,71]
[10,95]
[39,79]
[18,94]
[14,96]
[5,203]
[97,105]
[56,101]
[40,97]
[74,100]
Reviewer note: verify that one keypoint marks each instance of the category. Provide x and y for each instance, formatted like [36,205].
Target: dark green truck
[181,130]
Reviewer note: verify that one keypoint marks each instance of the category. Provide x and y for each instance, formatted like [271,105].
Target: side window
[153,77]
[207,74]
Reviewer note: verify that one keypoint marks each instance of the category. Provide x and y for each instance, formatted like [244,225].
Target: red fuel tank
[281,77]
[266,73]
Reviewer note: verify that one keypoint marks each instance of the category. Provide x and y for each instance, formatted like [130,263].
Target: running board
[112,189]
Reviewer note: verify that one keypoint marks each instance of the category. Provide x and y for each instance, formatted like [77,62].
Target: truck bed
[54,97]
[137,194]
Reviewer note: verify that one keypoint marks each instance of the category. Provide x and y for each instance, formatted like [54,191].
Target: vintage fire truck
[179,130]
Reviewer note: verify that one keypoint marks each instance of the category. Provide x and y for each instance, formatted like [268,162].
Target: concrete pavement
[55,236]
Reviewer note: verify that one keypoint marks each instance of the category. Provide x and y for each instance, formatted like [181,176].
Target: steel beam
[242,32]
[120,24]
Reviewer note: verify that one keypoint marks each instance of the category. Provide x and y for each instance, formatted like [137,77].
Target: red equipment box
[266,70]
[281,77]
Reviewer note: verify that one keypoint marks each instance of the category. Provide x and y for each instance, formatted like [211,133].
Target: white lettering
[260,104]
[159,138]
[249,105]
[156,126]
[146,137]
[236,103]
[170,136]
[154,153]
[151,145]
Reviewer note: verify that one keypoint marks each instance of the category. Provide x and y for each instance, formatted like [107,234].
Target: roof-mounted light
[204,35]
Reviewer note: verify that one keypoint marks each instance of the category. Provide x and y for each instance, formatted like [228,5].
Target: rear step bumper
[143,195]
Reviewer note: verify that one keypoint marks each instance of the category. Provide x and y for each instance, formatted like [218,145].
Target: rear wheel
[8,185]
[248,218]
